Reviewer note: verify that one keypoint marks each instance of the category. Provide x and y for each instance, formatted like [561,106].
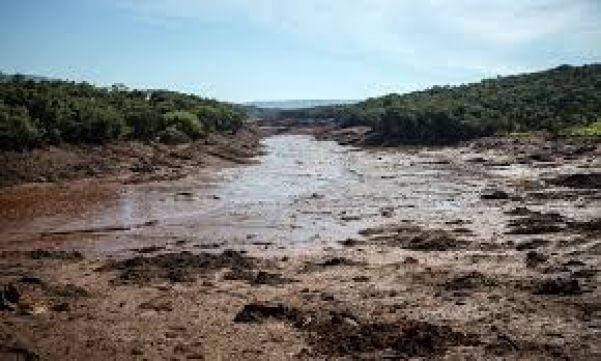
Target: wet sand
[315,251]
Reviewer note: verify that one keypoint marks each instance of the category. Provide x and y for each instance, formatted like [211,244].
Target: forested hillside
[566,97]
[36,111]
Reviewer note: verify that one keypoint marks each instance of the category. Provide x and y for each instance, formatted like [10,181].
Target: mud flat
[126,161]
[485,251]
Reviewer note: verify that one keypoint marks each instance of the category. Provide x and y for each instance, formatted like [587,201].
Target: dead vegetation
[334,332]
[176,267]
[414,238]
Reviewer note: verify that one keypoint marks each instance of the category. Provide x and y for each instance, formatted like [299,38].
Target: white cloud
[490,36]
[512,22]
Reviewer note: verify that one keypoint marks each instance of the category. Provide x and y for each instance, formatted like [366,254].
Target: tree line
[552,100]
[38,111]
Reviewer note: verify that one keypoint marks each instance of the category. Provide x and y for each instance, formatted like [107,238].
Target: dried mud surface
[126,161]
[485,251]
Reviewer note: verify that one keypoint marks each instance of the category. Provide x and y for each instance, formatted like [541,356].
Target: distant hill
[26,77]
[299,103]
[553,100]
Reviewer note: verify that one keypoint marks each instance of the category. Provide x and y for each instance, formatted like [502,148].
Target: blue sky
[242,50]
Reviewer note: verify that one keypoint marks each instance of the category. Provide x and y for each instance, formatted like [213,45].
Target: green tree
[186,122]
[16,129]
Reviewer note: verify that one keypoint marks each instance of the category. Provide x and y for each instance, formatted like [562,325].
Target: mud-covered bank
[321,251]
[126,161]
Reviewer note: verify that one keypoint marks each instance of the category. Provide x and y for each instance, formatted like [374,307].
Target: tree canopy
[551,100]
[37,111]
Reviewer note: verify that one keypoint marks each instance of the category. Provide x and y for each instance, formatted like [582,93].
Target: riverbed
[300,193]
[314,250]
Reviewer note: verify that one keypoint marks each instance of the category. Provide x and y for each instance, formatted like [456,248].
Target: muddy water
[301,193]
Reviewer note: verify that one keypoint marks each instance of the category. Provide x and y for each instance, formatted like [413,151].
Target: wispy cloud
[494,36]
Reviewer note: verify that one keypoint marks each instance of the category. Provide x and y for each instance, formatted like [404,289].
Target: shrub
[92,124]
[144,123]
[186,122]
[16,130]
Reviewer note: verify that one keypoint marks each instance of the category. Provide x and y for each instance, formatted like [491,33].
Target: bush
[220,118]
[92,124]
[186,122]
[590,130]
[16,130]
[144,123]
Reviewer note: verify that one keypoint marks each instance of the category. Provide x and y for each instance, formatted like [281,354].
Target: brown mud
[315,251]
[126,161]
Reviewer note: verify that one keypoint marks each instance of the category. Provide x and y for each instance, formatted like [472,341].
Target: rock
[519,211]
[257,278]
[327,296]
[61,307]
[534,258]
[476,160]
[585,273]
[495,195]
[413,237]
[337,261]
[350,218]
[558,286]
[583,181]
[255,313]
[574,263]
[387,212]
[540,157]
[471,280]
[532,244]
[462,230]
[267,278]
[32,280]
[10,293]
[538,223]
[262,244]
[457,222]
[71,291]
[149,249]
[410,260]
[8,300]
[349,242]
[57,255]
[591,226]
